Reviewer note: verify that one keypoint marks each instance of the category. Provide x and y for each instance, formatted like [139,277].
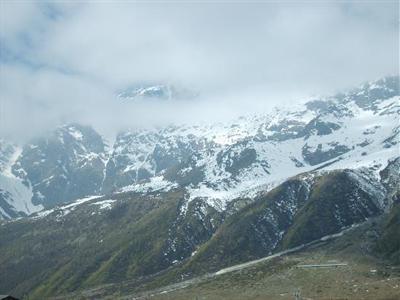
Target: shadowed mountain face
[300,210]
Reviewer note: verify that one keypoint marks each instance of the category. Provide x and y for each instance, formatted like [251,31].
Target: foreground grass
[365,277]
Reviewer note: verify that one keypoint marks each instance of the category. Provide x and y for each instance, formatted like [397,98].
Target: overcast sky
[64,62]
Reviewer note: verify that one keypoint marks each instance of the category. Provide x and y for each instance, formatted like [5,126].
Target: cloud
[64,62]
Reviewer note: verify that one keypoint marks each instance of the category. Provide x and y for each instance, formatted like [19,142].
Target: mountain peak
[160,91]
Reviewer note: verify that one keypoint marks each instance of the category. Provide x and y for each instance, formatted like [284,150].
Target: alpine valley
[82,217]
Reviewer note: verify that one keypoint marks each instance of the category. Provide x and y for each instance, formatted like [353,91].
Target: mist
[64,63]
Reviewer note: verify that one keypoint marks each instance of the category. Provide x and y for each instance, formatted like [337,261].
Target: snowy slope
[223,161]
[56,168]
[216,162]
[148,91]
[15,195]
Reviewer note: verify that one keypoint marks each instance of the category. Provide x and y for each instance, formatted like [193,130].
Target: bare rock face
[64,166]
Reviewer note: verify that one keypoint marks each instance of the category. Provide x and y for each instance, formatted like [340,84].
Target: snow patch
[157,183]
[104,204]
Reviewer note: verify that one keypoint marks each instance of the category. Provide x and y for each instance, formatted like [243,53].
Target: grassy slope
[389,243]
[335,202]
[280,278]
[237,240]
[249,234]
[53,256]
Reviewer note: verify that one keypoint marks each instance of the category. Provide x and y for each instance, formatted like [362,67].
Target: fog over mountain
[220,150]
[67,62]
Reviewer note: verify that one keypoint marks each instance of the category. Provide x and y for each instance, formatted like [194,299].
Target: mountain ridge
[131,235]
[218,162]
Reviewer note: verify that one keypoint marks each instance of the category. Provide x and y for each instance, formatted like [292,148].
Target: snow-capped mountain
[57,168]
[214,162]
[155,92]
[176,202]
[221,161]
[15,194]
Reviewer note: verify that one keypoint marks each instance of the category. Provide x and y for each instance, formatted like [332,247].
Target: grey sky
[63,62]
